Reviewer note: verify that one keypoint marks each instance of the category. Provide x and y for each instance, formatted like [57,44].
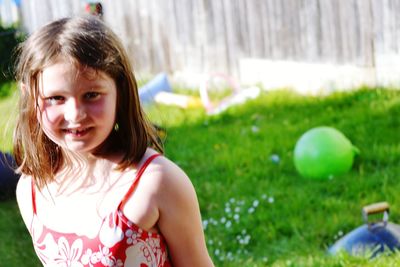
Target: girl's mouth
[77,132]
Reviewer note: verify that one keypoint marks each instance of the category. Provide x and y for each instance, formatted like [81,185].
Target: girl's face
[77,106]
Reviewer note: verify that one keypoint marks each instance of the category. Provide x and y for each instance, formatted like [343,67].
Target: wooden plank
[213,35]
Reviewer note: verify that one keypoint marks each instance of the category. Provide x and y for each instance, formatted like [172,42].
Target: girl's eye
[54,100]
[91,95]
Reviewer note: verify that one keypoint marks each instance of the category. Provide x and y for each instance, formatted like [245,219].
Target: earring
[116,127]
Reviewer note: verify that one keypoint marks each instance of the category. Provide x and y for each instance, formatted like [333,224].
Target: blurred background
[309,45]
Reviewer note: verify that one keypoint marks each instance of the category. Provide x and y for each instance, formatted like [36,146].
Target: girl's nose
[74,111]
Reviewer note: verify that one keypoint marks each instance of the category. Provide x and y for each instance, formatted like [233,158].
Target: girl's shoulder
[162,171]
[161,181]
[24,197]
[24,187]
[167,181]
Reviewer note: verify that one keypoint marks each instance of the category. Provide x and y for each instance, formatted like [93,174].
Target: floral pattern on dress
[119,244]
[68,255]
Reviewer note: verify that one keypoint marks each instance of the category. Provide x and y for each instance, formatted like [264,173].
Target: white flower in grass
[228,224]
[251,210]
[228,210]
[271,200]
[229,255]
[236,217]
[247,239]
[216,252]
[255,203]
[223,220]
[274,158]
[255,129]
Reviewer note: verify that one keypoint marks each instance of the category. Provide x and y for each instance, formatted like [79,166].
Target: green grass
[259,212]
[8,115]
[16,246]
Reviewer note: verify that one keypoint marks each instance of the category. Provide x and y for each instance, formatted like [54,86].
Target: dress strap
[137,178]
[33,196]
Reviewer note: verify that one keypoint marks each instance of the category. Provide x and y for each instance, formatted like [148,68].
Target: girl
[95,190]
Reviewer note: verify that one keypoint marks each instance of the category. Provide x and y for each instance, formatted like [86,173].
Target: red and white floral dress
[119,242]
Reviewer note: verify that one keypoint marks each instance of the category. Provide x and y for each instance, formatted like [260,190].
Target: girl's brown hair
[90,43]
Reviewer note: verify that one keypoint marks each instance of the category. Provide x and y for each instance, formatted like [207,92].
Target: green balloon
[323,152]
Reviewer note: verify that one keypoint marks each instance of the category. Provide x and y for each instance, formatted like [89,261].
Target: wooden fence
[202,36]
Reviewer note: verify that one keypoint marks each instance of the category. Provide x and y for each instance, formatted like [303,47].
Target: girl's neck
[88,160]
[85,172]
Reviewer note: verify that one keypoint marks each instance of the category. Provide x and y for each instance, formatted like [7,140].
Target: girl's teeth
[76,131]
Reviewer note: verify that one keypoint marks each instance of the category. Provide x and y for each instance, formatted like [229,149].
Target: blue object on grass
[152,88]
[372,238]
[8,178]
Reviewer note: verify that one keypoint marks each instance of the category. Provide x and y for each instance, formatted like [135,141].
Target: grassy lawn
[8,113]
[257,211]
[16,248]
